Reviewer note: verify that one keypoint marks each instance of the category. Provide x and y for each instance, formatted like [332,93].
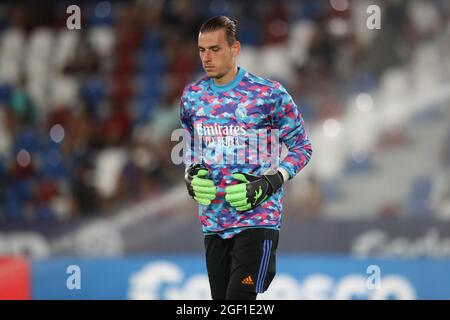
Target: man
[240,204]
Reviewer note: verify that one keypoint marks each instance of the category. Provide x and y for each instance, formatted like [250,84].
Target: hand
[253,190]
[200,188]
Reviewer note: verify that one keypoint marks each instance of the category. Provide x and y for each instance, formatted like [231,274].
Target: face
[218,57]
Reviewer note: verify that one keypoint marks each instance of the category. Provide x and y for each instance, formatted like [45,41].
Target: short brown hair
[222,22]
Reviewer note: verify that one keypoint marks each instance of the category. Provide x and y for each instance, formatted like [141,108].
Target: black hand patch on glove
[253,190]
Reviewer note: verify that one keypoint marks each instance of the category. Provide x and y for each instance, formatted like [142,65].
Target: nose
[207,56]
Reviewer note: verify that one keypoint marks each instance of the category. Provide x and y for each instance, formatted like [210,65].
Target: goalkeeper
[240,205]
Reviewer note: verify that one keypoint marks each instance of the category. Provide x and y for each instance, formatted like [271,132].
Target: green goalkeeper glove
[253,190]
[200,188]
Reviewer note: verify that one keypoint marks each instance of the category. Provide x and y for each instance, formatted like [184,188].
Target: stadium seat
[28,139]
[66,43]
[419,197]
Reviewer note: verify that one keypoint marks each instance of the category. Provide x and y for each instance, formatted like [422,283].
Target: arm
[199,187]
[253,190]
[289,121]
[186,124]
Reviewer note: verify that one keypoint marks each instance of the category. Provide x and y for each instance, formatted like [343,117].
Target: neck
[228,77]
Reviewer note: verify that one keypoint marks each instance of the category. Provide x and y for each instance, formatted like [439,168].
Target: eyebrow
[211,47]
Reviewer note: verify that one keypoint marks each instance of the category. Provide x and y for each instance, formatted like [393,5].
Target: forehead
[211,38]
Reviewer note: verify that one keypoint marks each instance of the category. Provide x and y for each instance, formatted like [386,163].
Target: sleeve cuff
[285,174]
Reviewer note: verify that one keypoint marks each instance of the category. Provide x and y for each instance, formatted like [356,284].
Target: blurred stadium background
[86,177]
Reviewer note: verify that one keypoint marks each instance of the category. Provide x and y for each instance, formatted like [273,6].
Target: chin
[215,75]
[211,74]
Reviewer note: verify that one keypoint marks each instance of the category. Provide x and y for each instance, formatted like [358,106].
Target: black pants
[243,266]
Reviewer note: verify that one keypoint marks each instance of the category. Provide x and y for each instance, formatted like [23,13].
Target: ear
[235,49]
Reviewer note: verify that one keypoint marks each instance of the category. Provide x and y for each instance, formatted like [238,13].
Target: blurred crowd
[86,115]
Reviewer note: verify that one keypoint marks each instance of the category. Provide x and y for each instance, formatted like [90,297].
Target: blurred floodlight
[364,102]
[23,158]
[103,9]
[338,27]
[339,5]
[57,133]
[331,128]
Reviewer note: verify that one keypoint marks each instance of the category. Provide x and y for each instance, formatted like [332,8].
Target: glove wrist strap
[275,180]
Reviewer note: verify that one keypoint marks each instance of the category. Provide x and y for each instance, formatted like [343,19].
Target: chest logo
[241,112]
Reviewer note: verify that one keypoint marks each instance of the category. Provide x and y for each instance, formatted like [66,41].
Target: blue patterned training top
[229,122]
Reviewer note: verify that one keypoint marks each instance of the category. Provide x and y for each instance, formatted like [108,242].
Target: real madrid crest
[241,112]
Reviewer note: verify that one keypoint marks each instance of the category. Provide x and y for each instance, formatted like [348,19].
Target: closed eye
[212,48]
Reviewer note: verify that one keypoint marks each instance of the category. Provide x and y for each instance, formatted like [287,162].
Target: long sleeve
[186,124]
[288,119]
